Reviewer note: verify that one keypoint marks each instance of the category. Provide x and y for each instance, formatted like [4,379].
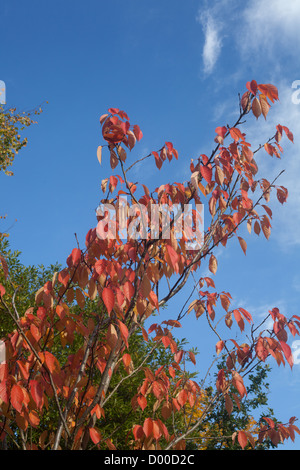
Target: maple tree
[117,283]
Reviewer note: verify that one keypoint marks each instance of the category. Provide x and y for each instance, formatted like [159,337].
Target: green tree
[219,427]
[12,125]
[23,282]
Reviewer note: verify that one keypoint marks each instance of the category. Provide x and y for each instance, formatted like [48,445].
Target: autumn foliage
[129,280]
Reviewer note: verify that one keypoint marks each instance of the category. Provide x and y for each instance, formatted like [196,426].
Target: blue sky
[176,68]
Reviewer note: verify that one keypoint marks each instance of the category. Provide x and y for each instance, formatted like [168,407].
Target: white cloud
[212,43]
[270,26]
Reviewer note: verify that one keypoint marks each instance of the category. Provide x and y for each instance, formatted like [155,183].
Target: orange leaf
[243,439]
[112,336]
[126,360]
[264,105]
[34,418]
[219,346]
[124,331]
[148,427]
[256,108]
[236,134]
[213,264]
[243,244]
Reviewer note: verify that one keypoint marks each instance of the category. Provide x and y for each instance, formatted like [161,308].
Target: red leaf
[148,427]
[36,393]
[158,160]
[112,133]
[154,300]
[206,172]
[128,290]
[270,91]
[192,357]
[124,331]
[243,439]
[34,418]
[246,314]
[126,360]
[63,277]
[173,257]
[4,391]
[287,352]
[2,290]
[239,319]
[178,356]
[108,299]
[252,87]
[156,430]
[282,194]
[95,435]
[17,397]
[182,397]
[269,149]
[138,432]
[51,362]
[270,422]
[219,346]
[113,110]
[74,257]
[142,401]
[288,133]
[137,132]
[221,131]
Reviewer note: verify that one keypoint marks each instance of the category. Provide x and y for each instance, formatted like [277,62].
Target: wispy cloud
[269,30]
[212,41]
